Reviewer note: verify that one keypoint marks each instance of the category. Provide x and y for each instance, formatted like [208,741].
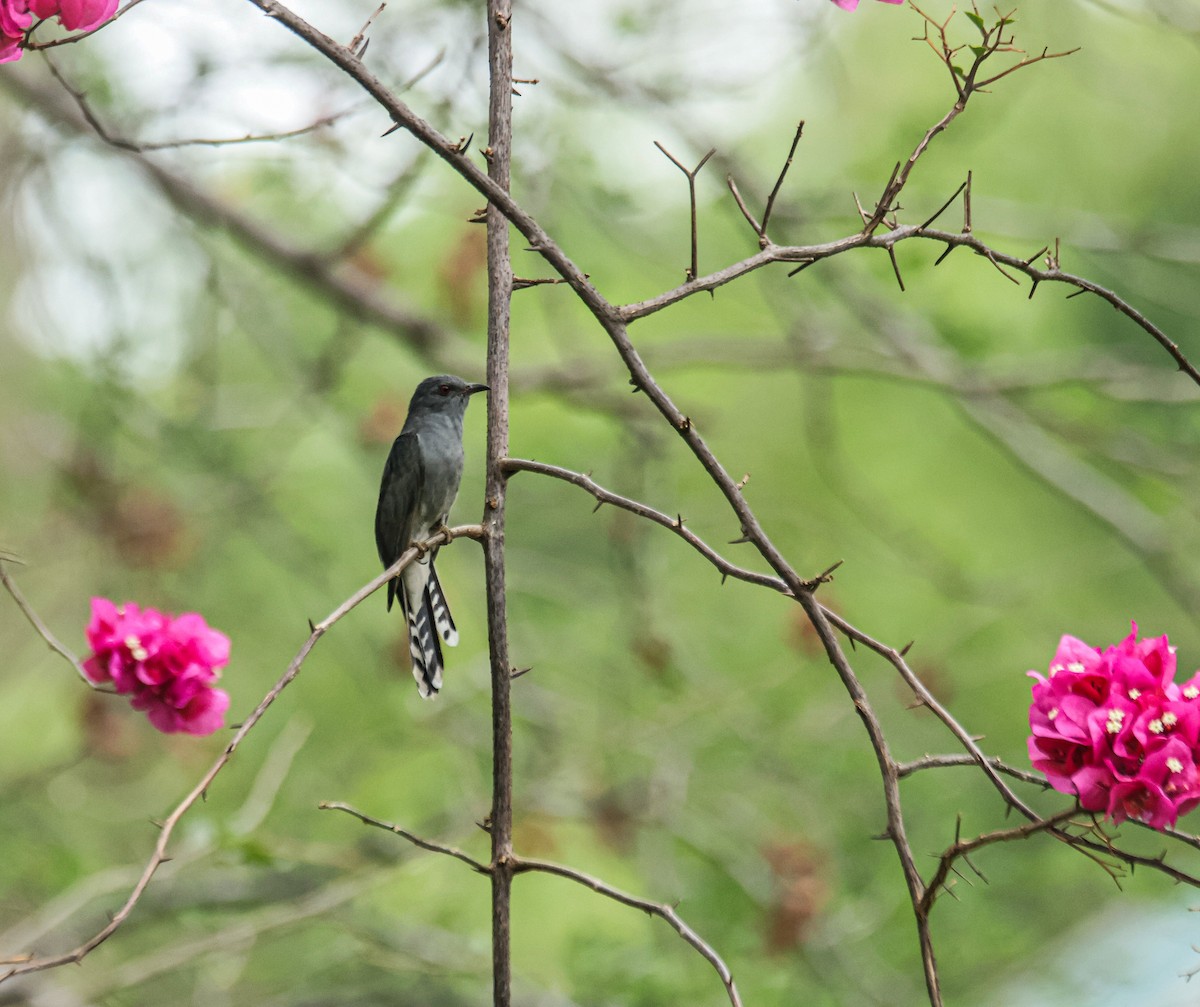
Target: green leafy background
[186,425]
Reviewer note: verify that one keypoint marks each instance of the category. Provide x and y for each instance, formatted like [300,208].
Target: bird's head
[443,393]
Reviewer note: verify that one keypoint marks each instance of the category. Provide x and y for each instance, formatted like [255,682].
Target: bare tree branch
[658,909]
[425,844]
[498,154]
[22,964]
[43,630]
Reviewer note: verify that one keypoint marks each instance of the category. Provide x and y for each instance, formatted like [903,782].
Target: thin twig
[604,496]
[425,844]
[691,173]
[782,175]
[662,911]
[79,36]
[40,963]
[36,622]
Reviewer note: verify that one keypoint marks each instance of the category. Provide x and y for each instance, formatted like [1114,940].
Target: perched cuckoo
[420,482]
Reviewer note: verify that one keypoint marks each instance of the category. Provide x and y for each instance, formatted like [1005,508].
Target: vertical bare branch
[500,286]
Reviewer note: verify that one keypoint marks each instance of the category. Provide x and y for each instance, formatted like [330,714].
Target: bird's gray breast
[442,455]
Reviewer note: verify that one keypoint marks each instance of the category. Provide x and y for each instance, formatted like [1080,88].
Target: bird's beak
[472,389]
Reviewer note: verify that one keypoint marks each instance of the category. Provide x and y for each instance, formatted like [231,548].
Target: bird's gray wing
[399,493]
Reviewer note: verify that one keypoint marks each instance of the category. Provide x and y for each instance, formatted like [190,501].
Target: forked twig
[694,269]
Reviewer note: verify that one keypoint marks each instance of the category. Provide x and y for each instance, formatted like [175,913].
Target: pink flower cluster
[168,664]
[853,4]
[17,16]
[1115,729]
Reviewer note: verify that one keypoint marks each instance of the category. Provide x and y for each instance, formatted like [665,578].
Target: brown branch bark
[500,286]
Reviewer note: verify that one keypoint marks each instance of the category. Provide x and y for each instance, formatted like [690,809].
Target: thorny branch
[524,865]
[21,964]
[615,321]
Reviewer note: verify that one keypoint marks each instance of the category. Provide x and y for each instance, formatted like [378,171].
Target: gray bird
[420,482]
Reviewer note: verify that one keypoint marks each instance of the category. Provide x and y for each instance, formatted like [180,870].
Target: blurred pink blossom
[167,664]
[17,16]
[14,20]
[81,15]
[1116,730]
[852,4]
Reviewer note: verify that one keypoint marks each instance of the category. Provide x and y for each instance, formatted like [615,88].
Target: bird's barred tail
[429,623]
[442,619]
[425,649]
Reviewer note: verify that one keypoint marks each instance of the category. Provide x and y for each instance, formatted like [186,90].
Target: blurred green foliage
[186,425]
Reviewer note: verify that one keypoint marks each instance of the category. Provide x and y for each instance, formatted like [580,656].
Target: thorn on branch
[884,205]
[946,205]
[942,258]
[891,250]
[358,44]
[514,673]
[824,577]
[906,648]
[800,268]
[990,256]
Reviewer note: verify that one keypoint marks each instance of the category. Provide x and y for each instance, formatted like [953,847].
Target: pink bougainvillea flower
[167,664]
[14,20]
[79,15]
[853,4]
[17,17]
[1114,729]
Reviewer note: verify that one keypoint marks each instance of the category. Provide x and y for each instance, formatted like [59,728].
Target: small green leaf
[958,70]
[976,20]
[978,50]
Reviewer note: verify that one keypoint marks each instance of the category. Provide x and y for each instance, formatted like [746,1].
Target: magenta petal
[75,15]
[206,713]
[1093,785]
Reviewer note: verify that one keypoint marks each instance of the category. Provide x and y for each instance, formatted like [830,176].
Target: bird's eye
[443,389]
